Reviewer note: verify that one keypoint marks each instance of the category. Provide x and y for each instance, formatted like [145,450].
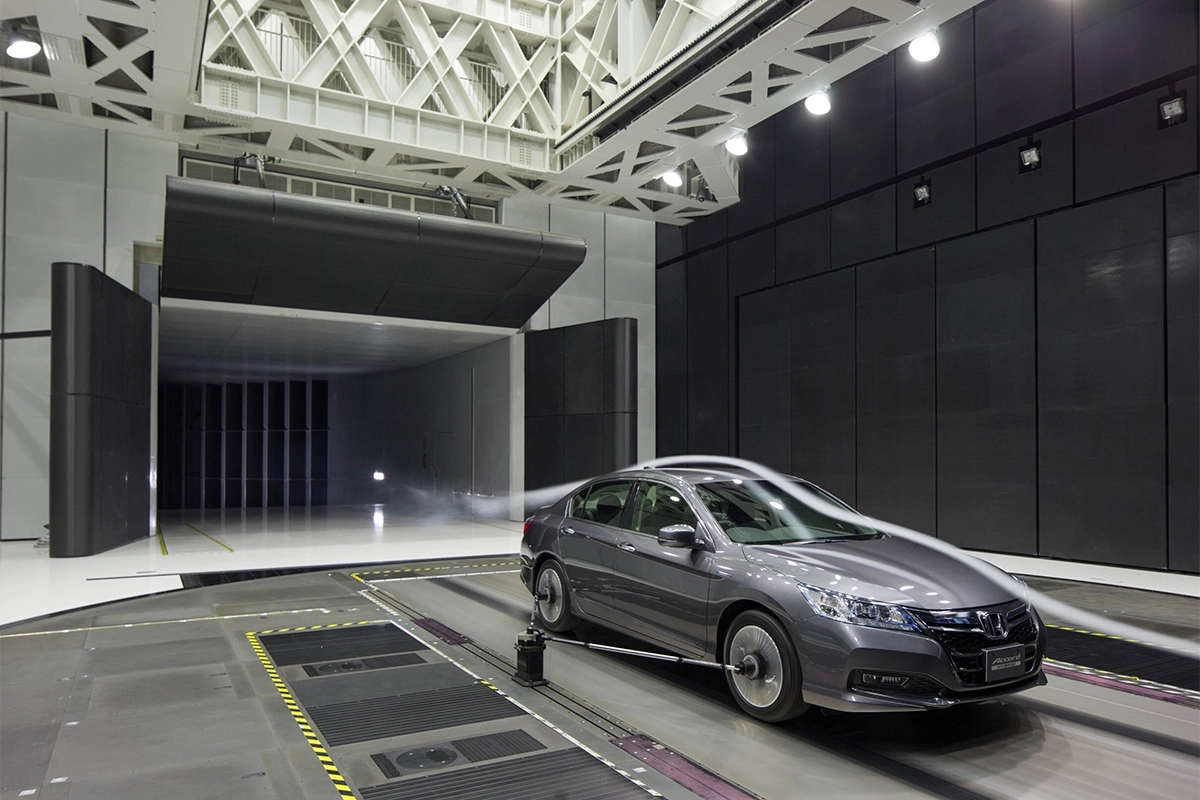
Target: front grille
[964,642]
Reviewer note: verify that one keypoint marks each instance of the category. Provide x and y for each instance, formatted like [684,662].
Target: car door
[587,542]
[659,592]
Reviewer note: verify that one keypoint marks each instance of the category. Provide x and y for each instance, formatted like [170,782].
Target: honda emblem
[993,623]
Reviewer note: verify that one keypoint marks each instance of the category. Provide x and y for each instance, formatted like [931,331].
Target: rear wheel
[768,685]
[553,602]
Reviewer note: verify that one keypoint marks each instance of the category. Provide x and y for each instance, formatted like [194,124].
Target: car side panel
[587,550]
[662,593]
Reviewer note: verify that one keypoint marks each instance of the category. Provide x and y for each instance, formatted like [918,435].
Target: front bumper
[836,657]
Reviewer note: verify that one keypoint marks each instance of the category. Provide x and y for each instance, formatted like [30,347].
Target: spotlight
[922,193]
[672,178]
[1172,109]
[737,145]
[378,475]
[818,103]
[21,44]
[925,47]
[1030,156]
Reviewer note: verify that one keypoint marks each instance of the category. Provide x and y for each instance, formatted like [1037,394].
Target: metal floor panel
[556,775]
[382,717]
[368,685]
[336,644]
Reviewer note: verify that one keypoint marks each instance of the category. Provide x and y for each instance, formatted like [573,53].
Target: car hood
[888,569]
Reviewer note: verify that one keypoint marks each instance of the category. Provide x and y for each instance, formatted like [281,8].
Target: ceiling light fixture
[922,193]
[1030,157]
[925,47]
[21,44]
[737,145]
[1172,109]
[818,103]
[672,178]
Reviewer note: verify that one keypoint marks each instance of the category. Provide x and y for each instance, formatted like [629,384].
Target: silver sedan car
[811,609]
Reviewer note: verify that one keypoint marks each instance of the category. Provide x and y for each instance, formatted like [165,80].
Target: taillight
[528,522]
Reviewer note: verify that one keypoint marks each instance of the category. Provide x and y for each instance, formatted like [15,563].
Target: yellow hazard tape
[1110,636]
[310,736]
[358,575]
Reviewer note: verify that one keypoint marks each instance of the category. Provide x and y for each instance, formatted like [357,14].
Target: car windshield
[757,512]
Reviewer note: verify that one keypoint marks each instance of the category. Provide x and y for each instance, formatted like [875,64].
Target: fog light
[890,681]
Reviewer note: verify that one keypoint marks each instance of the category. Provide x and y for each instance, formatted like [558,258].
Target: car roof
[693,474]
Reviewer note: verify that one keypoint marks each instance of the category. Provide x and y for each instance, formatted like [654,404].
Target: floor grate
[337,644]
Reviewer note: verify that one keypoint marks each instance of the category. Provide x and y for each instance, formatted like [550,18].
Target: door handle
[627,547]
[569,531]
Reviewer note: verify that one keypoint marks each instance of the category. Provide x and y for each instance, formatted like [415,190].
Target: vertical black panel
[212,453]
[255,419]
[297,418]
[935,100]
[233,455]
[214,411]
[752,263]
[618,365]
[862,129]
[757,185]
[823,368]
[668,242]
[764,378]
[544,443]
[802,247]
[255,494]
[1101,424]
[583,375]
[863,228]
[275,405]
[620,440]
[276,455]
[276,492]
[708,353]
[544,371]
[234,414]
[1121,45]
[583,452]
[1183,380]
[297,455]
[297,493]
[986,391]
[670,349]
[319,391]
[1122,146]
[255,453]
[801,160]
[950,213]
[896,391]
[1022,65]
[193,405]
[319,455]
[1007,193]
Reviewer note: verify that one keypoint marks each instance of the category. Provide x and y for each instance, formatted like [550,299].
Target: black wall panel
[802,247]
[801,177]
[1022,65]
[823,382]
[670,348]
[752,263]
[1006,193]
[708,353]
[764,378]
[1122,146]
[593,366]
[1121,45]
[668,242]
[1183,380]
[863,228]
[951,212]
[987,391]
[757,184]
[897,447]
[1101,420]
[935,100]
[862,134]
[707,231]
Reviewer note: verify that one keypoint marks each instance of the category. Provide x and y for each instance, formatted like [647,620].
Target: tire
[770,689]
[554,614]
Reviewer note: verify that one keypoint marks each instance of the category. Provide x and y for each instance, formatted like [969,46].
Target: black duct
[244,245]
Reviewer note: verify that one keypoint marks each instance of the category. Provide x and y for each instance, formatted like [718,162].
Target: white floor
[33,584]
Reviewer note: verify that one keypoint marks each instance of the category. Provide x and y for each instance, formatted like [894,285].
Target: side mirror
[679,535]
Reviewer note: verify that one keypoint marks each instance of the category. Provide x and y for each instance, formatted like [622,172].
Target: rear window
[601,502]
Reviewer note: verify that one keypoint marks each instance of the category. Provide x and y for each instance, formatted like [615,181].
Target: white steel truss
[582,101]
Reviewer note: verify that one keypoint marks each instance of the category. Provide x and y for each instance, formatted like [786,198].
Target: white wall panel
[26,438]
[137,172]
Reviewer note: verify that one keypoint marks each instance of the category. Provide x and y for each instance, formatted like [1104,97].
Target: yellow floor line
[162,540]
[202,533]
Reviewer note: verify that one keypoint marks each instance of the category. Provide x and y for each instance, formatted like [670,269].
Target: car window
[657,506]
[603,502]
[755,512]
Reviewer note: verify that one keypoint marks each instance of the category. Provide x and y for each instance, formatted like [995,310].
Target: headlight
[858,611]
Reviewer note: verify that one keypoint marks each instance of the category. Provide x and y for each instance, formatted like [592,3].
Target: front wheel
[768,686]
[553,601]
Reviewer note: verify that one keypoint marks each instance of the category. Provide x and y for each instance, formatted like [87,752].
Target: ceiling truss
[580,101]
